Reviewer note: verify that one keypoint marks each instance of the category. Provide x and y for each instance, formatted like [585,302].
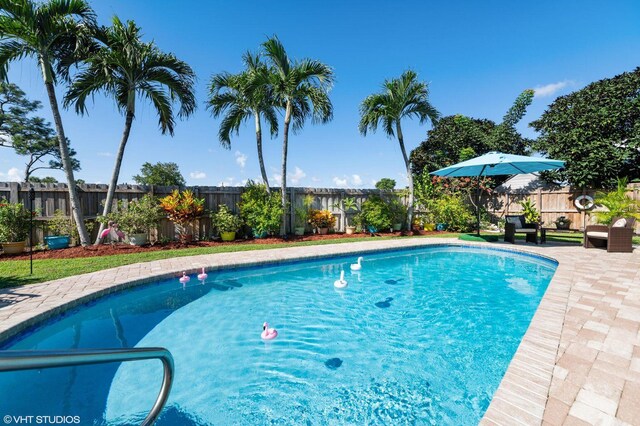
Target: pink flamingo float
[184,278]
[202,276]
[268,333]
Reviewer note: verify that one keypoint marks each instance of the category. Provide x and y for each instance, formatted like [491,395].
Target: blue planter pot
[57,242]
[441,226]
[257,234]
[372,229]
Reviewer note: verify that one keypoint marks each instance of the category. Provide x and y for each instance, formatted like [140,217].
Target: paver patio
[578,363]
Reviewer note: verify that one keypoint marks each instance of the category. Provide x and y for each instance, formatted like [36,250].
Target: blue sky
[476,56]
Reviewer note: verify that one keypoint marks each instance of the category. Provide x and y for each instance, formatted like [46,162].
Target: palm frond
[162,105]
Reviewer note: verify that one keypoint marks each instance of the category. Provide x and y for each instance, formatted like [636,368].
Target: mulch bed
[121,248]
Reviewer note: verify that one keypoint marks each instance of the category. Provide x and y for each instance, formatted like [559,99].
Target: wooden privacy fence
[52,197]
[55,196]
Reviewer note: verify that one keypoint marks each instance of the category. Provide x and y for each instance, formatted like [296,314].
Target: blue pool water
[418,336]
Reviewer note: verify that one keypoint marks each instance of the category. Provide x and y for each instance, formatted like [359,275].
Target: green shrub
[225,221]
[531,214]
[14,222]
[398,210]
[376,213]
[452,210]
[61,224]
[618,204]
[137,217]
[259,209]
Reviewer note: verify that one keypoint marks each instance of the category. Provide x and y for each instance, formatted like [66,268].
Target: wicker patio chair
[616,237]
[515,224]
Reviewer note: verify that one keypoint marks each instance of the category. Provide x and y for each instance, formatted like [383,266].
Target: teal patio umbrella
[497,164]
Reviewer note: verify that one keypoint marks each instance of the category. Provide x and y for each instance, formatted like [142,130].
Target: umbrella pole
[478,198]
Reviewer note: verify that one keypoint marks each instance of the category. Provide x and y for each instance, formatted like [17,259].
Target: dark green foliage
[458,138]
[596,131]
[376,213]
[47,179]
[163,174]
[386,184]
[452,210]
[29,136]
[261,210]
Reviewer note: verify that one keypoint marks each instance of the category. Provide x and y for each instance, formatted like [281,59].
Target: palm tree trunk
[76,211]
[407,164]
[116,171]
[260,159]
[283,183]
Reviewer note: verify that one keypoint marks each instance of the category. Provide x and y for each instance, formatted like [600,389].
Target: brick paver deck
[578,363]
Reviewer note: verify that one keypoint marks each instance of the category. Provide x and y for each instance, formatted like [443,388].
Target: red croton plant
[182,208]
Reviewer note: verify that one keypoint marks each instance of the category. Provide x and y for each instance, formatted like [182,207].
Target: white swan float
[357,266]
[341,283]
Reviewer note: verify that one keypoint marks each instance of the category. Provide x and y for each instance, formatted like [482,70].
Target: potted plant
[260,210]
[562,222]
[322,220]
[14,226]
[226,223]
[136,218]
[346,205]
[302,215]
[61,228]
[183,208]
[398,213]
[376,215]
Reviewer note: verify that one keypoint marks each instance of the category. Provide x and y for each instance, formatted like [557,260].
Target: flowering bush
[322,219]
[14,222]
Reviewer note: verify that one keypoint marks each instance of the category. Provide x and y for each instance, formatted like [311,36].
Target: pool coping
[521,397]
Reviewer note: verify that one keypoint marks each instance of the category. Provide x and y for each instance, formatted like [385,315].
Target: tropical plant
[182,208]
[136,216]
[162,174]
[451,210]
[403,97]
[617,203]
[595,130]
[397,209]
[260,209]
[225,221]
[125,68]
[14,221]
[531,214]
[241,97]
[302,213]
[322,219]
[376,214]
[301,88]
[51,33]
[346,205]
[29,136]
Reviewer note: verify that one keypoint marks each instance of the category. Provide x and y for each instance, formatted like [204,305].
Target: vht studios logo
[42,420]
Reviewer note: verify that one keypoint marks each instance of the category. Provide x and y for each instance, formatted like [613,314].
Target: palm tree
[49,32]
[124,67]
[243,96]
[401,97]
[301,88]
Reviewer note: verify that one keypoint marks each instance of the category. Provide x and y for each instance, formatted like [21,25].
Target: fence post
[14,188]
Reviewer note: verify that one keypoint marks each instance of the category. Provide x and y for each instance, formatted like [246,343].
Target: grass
[16,272]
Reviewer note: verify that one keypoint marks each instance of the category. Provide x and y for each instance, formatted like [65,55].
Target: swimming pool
[420,335]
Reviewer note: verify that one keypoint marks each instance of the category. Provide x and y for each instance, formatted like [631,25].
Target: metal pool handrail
[28,360]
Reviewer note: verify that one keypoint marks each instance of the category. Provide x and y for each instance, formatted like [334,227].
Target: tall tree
[51,33]
[28,135]
[241,97]
[596,130]
[302,89]
[163,174]
[403,97]
[125,68]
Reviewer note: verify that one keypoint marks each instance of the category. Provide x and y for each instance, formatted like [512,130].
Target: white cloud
[277,177]
[356,180]
[198,175]
[297,175]
[551,88]
[315,179]
[13,175]
[340,182]
[105,154]
[241,159]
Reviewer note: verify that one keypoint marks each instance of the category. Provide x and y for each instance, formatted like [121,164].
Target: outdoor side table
[543,232]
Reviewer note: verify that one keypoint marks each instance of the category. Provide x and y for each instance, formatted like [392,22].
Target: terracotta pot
[13,247]
[228,236]
[323,231]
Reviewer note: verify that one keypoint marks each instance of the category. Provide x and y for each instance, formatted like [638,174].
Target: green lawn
[16,272]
